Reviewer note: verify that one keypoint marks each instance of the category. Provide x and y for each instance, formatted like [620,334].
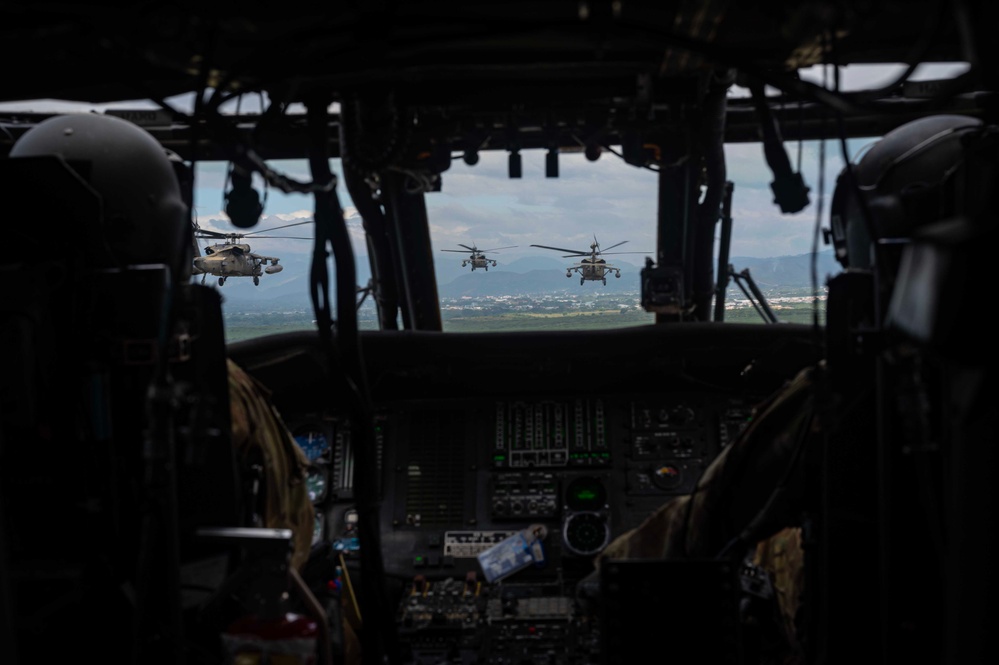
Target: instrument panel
[494,500]
[462,479]
[459,477]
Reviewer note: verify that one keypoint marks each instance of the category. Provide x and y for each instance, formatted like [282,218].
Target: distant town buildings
[571,301]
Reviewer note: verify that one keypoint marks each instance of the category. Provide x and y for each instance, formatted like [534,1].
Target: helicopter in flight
[477,258]
[591,267]
[232,258]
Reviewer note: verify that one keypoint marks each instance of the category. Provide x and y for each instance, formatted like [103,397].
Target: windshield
[519,277]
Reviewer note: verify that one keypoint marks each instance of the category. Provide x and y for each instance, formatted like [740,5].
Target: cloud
[295,215]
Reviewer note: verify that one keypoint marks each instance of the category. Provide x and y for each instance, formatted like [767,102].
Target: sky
[607,199]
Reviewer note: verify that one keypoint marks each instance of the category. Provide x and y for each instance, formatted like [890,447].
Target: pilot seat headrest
[903,180]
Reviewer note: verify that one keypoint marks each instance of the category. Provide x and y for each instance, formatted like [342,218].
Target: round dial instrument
[586,533]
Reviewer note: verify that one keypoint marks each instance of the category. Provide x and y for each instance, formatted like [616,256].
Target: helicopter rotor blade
[613,246]
[275,228]
[562,249]
[497,248]
[287,237]
[471,249]
[208,233]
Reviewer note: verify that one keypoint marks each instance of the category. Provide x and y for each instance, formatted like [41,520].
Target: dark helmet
[903,185]
[145,216]
[917,217]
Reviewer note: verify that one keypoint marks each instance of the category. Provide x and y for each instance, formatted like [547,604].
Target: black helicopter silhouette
[591,267]
[478,257]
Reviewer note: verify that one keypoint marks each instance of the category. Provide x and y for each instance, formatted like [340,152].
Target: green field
[247,326]
[587,320]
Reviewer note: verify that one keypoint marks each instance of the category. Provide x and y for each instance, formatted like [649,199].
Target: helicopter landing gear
[203,276]
[604,280]
[581,280]
[221,281]
[487,268]
[256,281]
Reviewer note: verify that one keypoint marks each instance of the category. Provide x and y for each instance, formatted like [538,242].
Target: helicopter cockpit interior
[456,520]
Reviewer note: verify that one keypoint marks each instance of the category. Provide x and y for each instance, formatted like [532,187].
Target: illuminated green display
[586,493]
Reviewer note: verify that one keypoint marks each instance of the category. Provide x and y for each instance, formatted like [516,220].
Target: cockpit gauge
[350,519]
[586,530]
[586,493]
[317,482]
[318,527]
[314,443]
[586,533]
[345,538]
[667,476]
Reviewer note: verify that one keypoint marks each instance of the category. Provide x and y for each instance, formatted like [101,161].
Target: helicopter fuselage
[590,268]
[478,261]
[593,270]
[234,260]
[477,258]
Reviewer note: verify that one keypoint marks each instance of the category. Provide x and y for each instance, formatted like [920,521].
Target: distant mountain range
[527,276]
[539,275]
[788,271]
